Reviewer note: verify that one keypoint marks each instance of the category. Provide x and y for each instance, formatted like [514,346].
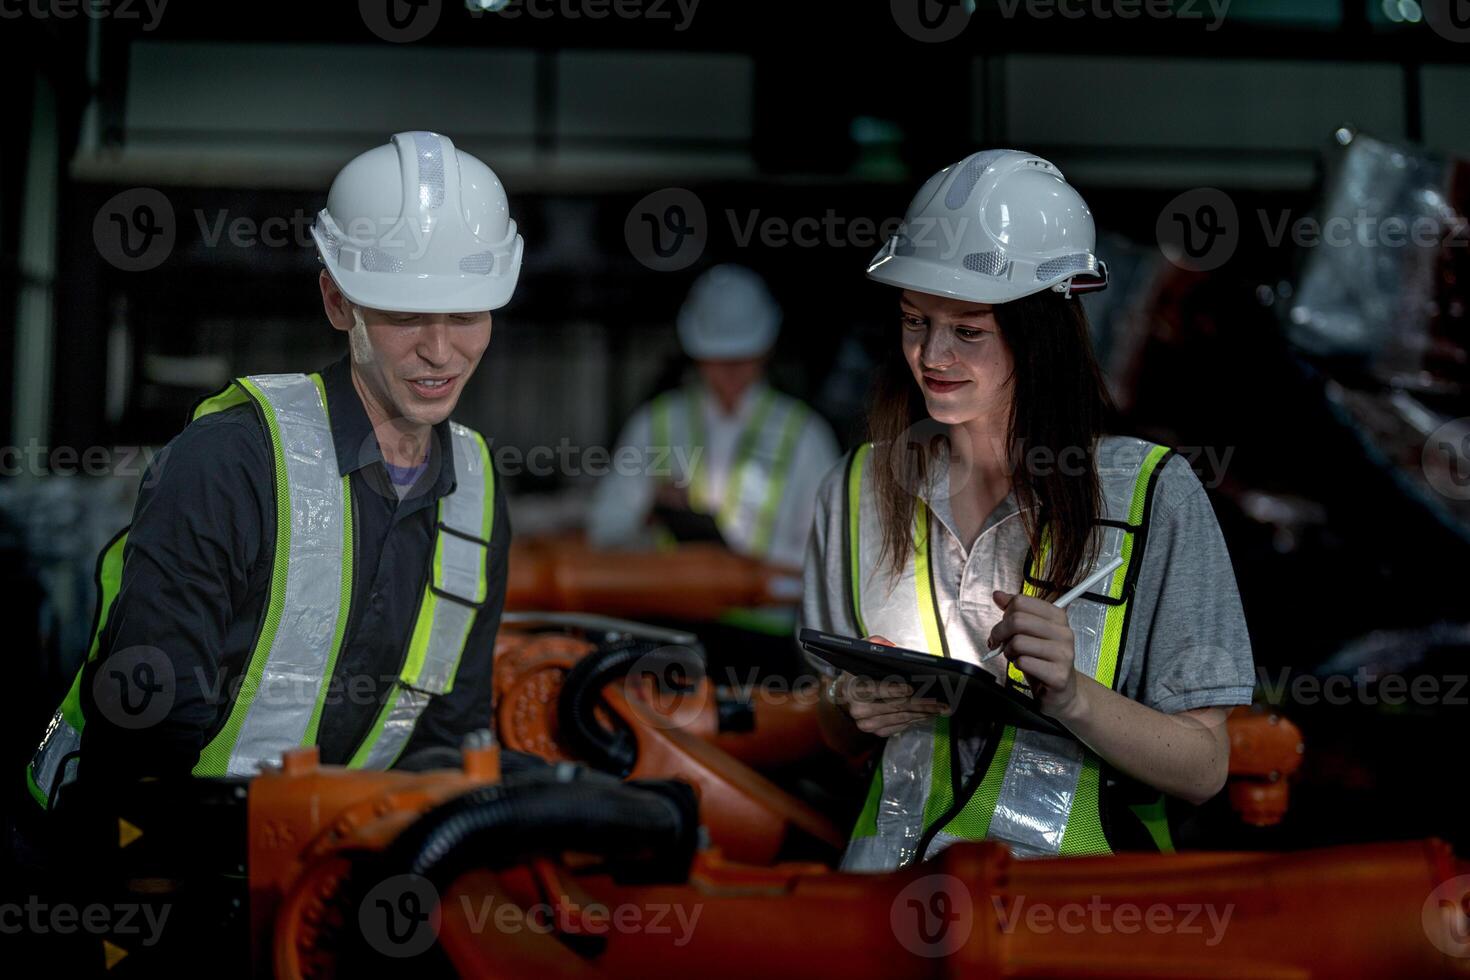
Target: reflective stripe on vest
[295,655]
[1040,793]
[457,586]
[279,703]
[752,495]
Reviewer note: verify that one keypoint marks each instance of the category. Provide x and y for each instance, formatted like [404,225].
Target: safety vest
[282,691]
[764,450]
[1040,793]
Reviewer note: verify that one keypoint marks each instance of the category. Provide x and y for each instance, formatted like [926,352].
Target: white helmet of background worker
[729,315]
[997,226]
[416,226]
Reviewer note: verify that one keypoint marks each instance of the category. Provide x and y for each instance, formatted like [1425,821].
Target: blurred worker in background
[318,559]
[727,456]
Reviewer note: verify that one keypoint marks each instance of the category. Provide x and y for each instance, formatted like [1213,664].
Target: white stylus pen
[1071,594]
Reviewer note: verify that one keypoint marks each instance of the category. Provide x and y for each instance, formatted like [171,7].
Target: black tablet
[968,686]
[688,525]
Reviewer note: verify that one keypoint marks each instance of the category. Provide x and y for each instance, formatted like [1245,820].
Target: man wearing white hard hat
[751,456]
[319,559]
[993,520]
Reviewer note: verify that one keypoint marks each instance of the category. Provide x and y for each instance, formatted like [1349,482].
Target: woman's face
[958,358]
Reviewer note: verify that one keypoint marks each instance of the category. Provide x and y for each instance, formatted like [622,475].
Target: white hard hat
[998,225]
[416,226]
[728,315]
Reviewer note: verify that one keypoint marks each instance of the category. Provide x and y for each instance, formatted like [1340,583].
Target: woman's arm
[837,726]
[1185,755]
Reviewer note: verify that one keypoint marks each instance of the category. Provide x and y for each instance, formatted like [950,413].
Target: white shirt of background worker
[743,452]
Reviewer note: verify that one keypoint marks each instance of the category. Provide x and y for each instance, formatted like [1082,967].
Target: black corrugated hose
[614,751]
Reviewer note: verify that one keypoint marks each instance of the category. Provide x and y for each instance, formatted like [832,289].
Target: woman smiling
[990,487]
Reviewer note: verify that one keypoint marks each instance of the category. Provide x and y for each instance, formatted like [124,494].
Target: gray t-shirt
[1187,645]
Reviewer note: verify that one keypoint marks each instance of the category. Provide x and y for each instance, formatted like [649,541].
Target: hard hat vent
[374,259]
[968,177]
[987,263]
[430,153]
[479,264]
[1066,265]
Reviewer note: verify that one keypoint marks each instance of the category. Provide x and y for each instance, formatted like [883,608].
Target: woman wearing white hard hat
[989,490]
[728,445]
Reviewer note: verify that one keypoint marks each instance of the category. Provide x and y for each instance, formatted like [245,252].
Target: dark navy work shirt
[196,582]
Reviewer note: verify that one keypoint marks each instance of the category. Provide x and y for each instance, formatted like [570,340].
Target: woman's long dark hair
[1059,403]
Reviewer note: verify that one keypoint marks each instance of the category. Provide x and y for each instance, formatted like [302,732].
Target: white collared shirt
[623,500]
[1187,644]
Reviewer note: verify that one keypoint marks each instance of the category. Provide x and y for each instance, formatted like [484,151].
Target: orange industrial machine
[637,704]
[562,696]
[560,872]
[624,818]
[673,859]
[693,582]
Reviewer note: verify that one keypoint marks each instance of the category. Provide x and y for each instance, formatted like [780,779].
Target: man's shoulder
[230,439]
[236,423]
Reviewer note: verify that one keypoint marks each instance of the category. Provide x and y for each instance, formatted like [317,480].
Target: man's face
[957,355]
[727,380]
[413,365]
